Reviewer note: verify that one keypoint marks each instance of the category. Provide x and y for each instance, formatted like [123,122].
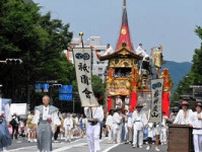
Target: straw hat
[199,104]
[184,102]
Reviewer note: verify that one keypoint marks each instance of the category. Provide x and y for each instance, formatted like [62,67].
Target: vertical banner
[156,109]
[82,62]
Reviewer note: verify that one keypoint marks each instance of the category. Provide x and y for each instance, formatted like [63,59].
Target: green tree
[38,40]
[98,88]
[194,77]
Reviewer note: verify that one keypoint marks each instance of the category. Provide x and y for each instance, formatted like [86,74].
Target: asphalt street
[78,145]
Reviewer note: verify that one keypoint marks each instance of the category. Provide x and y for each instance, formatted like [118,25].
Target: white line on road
[69,147]
[108,149]
[72,146]
[29,147]
[21,148]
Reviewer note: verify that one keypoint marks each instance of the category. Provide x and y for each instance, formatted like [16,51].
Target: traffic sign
[38,87]
[45,87]
[65,89]
[65,97]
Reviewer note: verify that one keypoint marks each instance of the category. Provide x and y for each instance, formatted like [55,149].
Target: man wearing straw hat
[184,115]
[139,120]
[197,127]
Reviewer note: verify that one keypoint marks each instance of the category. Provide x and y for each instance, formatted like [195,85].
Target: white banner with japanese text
[156,109]
[82,62]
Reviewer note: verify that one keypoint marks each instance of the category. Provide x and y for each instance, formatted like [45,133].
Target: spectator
[15,125]
[68,125]
[31,132]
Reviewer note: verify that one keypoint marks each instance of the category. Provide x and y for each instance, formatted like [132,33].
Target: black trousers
[15,132]
[56,133]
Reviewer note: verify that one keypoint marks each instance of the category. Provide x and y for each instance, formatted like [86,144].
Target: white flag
[82,62]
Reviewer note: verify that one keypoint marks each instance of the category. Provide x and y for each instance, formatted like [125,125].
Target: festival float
[129,74]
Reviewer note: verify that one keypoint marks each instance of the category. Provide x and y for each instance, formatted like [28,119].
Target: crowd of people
[42,126]
[72,126]
[46,124]
[135,128]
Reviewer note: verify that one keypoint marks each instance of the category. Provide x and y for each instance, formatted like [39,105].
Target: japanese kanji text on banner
[156,110]
[82,62]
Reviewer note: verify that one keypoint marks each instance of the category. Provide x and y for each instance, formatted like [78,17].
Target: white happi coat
[68,123]
[197,132]
[196,123]
[93,131]
[46,118]
[139,119]
[108,51]
[52,113]
[109,121]
[130,122]
[140,51]
[181,119]
[97,113]
[119,102]
[117,119]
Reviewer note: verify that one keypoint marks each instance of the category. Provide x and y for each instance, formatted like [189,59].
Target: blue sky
[152,22]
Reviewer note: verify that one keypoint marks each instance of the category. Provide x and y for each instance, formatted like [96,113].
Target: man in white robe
[129,125]
[184,115]
[117,121]
[139,121]
[95,116]
[68,125]
[109,50]
[46,119]
[140,51]
[119,102]
[109,124]
[197,128]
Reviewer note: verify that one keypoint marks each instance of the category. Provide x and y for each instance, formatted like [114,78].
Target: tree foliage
[36,39]
[194,77]
[98,88]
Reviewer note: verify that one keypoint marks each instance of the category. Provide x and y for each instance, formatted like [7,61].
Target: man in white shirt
[140,51]
[129,125]
[119,102]
[164,128]
[184,115]
[68,125]
[109,50]
[197,128]
[139,121]
[109,124]
[46,119]
[117,121]
[95,116]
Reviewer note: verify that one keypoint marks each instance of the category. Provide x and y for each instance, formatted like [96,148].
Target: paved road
[78,145]
[128,148]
